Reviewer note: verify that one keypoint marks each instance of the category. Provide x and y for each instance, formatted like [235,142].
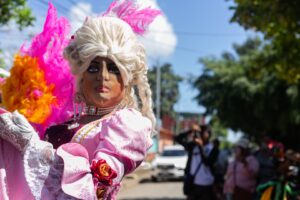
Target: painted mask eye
[93,69]
[112,68]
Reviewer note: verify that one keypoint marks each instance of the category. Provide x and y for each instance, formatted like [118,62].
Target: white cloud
[11,46]
[78,13]
[160,40]
[233,137]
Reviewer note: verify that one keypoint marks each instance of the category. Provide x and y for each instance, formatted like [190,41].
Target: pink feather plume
[138,19]
[48,47]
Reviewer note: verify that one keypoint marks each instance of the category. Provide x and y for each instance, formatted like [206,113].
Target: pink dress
[240,175]
[40,172]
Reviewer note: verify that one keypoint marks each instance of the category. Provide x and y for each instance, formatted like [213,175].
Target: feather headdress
[128,11]
[40,85]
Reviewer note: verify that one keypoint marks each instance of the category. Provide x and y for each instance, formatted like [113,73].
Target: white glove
[15,129]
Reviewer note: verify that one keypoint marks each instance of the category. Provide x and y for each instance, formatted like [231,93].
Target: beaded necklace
[93,110]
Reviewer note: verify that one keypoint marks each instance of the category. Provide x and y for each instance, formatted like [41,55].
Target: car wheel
[154,179]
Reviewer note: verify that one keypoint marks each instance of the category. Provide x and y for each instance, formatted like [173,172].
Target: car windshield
[175,152]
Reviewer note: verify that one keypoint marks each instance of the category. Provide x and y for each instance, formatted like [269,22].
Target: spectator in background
[267,161]
[202,157]
[240,178]
[186,139]
[220,168]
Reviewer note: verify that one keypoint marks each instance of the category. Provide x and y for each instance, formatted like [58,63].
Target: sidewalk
[134,178]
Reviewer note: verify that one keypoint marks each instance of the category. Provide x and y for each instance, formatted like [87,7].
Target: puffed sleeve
[121,146]
[124,141]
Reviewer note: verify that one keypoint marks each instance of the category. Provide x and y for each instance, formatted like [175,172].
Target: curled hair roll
[143,87]
[145,95]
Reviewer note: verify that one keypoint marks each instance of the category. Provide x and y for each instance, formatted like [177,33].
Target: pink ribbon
[77,180]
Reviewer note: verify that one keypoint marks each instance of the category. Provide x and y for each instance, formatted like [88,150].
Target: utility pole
[157,104]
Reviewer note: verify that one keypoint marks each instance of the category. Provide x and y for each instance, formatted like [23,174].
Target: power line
[72,2]
[62,9]
[68,10]
[177,47]
[179,32]
[197,33]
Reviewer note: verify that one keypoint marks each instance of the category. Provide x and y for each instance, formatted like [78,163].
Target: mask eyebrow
[95,62]
[98,63]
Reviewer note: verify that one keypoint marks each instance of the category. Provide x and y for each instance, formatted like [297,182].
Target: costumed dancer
[112,132]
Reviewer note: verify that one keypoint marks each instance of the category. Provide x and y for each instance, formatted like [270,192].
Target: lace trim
[84,132]
[3,190]
[43,171]
[16,130]
[38,158]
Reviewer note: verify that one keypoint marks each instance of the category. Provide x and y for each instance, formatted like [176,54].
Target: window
[170,153]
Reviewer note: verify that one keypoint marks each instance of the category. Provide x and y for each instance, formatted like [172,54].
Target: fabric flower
[100,192]
[103,172]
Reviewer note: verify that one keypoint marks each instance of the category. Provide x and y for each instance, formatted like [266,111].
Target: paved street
[153,191]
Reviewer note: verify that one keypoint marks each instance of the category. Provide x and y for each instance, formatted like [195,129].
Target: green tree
[279,21]
[16,10]
[247,98]
[169,92]
[217,127]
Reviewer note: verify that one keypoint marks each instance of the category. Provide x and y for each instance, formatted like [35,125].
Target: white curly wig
[113,38]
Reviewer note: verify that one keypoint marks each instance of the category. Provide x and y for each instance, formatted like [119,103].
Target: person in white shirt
[202,156]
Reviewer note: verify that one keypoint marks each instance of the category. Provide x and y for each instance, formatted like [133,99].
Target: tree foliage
[247,98]
[169,91]
[279,21]
[16,10]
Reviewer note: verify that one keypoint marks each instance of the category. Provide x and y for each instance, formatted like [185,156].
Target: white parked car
[169,164]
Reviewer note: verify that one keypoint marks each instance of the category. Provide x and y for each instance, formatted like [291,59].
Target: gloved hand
[15,129]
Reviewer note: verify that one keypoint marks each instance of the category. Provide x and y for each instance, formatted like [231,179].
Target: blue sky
[188,30]
[203,29]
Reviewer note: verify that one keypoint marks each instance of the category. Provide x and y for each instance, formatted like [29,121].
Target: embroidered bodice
[120,140]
